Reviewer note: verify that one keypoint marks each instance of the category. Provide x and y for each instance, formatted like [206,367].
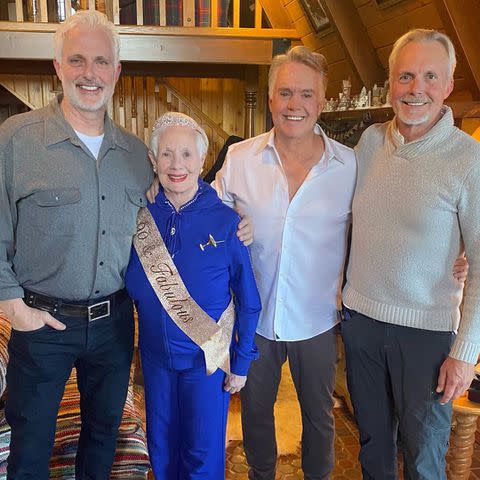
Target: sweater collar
[426,143]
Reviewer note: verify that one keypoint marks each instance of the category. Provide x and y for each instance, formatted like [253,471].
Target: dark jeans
[392,374]
[312,364]
[40,363]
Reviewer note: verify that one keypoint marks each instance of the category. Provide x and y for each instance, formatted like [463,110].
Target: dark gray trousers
[312,364]
[392,374]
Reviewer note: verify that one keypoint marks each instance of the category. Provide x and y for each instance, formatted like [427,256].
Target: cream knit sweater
[416,206]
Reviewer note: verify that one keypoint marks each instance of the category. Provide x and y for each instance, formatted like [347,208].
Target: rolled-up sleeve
[9,286]
[247,306]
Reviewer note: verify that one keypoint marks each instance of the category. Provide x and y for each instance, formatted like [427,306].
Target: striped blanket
[131,458]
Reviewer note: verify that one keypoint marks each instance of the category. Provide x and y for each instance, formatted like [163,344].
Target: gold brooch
[211,242]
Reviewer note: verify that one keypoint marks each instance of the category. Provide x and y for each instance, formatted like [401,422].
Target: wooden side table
[462,439]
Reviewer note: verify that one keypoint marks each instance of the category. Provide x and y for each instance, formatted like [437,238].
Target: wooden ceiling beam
[353,34]
[461,19]
[276,14]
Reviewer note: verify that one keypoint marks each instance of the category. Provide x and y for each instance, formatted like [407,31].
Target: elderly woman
[186,263]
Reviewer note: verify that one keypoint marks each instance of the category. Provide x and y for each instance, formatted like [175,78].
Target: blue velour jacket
[210,274]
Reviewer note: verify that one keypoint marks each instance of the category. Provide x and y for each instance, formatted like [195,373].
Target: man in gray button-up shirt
[71,183]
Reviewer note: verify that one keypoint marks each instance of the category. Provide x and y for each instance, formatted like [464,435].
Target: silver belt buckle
[98,310]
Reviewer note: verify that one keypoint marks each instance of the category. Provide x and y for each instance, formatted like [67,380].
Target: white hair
[424,35]
[171,119]
[299,54]
[91,19]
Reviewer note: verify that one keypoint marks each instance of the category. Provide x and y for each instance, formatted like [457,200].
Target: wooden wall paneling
[333,89]
[294,10]
[188,13]
[386,33]
[327,39]
[310,41]
[302,26]
[233,93]
[341,71]
[91,4]
[372,15]
[162,95]
[20,85]
[35,91]
[461,91]
[354,37]
[212,99]
[47,87]
[196,93]
[462,20]
[359,3]
[334,52]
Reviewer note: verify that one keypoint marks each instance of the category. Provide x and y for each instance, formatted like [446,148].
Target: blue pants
[186,422]
[392,374]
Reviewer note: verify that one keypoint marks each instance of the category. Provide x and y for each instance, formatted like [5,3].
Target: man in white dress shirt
[296,185]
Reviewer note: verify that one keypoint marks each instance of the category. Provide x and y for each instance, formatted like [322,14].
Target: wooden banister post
[250,105]
[251,89]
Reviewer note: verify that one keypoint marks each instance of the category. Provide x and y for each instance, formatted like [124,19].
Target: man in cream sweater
[409,351]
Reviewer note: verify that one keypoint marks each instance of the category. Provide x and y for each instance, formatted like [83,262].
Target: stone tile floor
[346,452]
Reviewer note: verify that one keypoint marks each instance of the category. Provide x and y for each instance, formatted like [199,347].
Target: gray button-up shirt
[67,219]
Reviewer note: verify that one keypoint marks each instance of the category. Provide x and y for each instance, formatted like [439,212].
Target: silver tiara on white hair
[173,119]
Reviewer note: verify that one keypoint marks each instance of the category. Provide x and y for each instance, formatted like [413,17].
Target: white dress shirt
[299,247]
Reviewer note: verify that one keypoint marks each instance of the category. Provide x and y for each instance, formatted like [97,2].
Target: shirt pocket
[134,200]
[55,211]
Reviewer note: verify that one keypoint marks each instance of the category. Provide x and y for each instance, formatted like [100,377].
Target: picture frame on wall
[316,14]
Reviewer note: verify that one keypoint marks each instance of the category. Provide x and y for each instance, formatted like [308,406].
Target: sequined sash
[212,337]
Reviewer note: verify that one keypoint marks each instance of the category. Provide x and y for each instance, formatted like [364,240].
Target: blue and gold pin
[211,243]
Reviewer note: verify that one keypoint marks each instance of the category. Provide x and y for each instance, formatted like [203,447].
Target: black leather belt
[91,309]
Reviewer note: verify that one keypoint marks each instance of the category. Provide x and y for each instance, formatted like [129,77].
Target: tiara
[174,119]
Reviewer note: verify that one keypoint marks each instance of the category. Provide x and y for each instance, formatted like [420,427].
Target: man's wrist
[11,308]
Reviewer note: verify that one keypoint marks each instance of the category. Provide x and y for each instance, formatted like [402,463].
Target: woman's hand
[460,269]
[152,192]
[234,383]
